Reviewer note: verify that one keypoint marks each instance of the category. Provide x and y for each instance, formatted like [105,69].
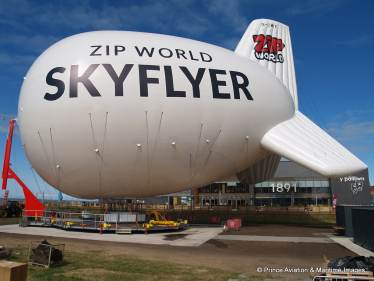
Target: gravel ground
[243,257]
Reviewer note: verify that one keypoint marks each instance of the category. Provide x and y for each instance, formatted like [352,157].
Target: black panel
[344,213]
[363,228]
[353,190]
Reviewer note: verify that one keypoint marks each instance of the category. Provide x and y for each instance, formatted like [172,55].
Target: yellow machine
[171,223]
[155,213]
[164,222]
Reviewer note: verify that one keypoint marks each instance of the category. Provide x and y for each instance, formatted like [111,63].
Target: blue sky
[332,45]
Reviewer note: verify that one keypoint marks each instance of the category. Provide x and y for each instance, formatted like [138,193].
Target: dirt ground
[243,257]
[284,230]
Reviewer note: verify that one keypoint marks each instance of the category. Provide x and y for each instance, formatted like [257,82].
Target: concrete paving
[275,238]
[349,244]
[345,242]
[192,237]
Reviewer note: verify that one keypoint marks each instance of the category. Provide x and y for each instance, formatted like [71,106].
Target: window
[215,188]
[240,202]
[271,184]
[309,184]
[302,189]
[321,190]
[279,182]
[240,188]
[267,189]
[258,190]
[325,183]
[317,184]
[231,189]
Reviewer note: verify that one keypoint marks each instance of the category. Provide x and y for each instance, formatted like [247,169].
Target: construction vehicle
[11,208]
[157,221]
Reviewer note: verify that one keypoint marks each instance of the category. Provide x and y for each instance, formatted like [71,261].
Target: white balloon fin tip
[303,142]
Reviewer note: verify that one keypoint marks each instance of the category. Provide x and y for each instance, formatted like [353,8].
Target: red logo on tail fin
[268,48]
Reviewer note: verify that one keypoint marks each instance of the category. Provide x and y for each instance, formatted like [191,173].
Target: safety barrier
[220,209]
[82,220]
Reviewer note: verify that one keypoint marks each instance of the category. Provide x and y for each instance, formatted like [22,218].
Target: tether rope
[46,155]
[96,155]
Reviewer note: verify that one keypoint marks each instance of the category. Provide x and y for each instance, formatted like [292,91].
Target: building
[292,185]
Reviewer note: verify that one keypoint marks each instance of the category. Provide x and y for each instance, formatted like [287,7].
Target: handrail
[133,217]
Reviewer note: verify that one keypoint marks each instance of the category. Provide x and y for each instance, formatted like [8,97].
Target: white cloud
[164,16]
[354,129]
[7,116]
[357,42]
[16,60]
[316,7]
[230,43]
[230,13]
[29,44]
[350,131]
[3,129]
[361,147]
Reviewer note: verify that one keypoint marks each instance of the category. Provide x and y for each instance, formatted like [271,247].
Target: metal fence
[221,209]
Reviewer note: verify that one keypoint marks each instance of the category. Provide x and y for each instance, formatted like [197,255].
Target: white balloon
[115,114]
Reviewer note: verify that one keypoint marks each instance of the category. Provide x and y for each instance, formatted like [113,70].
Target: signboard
[352,190]
[191,218]
[334,202]
[284,188]
[214,219]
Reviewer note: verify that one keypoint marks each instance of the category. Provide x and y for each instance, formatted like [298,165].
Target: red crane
[32,204]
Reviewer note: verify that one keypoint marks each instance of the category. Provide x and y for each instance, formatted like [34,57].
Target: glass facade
[224,193]
[303,192]
[287,193]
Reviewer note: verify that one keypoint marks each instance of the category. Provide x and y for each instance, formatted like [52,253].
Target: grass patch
[10,220]
[96,265]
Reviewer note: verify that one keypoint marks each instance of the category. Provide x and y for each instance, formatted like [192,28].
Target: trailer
[117,222]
